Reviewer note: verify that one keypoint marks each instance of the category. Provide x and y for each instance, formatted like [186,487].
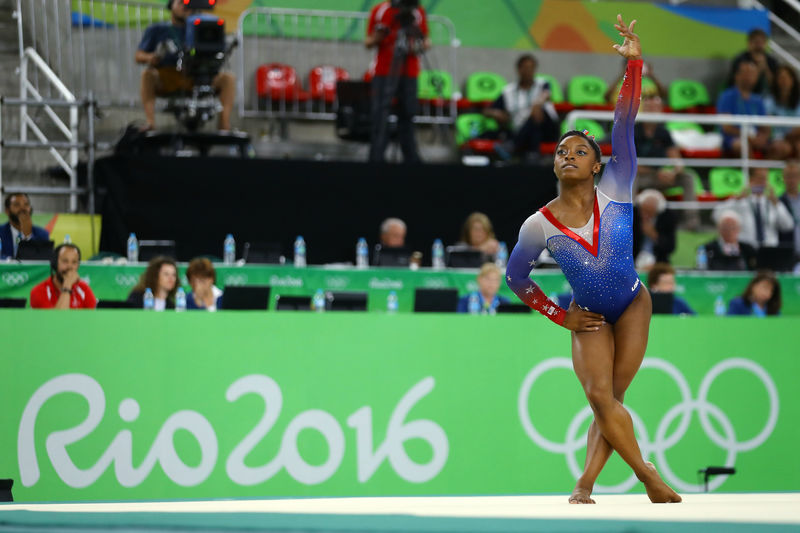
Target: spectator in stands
[158,51]
[489,279]
[525,109]
[647,73]
[756,53]
[763,215]
[161,277]
[791,200]
[661,279]
[19,226]
[64,289]
[393,233]
[761,297]
[727,252]
[653,140]
[742,99]
[395,78]
[205,295]
[784,101]
[478,234]
[654,229]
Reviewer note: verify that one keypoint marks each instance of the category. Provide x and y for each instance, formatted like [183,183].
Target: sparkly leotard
[596,259]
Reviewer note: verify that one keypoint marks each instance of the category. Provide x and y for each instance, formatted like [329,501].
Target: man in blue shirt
[158,50]
[741,99]
[19,226]
[661,279]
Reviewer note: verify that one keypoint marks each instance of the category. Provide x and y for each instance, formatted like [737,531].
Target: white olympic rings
[662,441]
[15,278]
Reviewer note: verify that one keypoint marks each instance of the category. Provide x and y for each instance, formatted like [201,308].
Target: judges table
[114,282]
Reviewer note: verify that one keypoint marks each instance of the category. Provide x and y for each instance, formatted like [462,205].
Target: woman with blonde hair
[478,233]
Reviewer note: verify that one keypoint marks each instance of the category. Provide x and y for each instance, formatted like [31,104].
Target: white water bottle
[702,258]
[148,300]
[719,306]
[502,256]
[437,255]
[318,301]
[67,239]
[133,248]
[229,250]
[299,252]
[180,300]
[474,305]
[392,303]
[362,253]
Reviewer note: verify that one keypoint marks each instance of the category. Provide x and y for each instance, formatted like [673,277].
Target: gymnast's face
[575,159]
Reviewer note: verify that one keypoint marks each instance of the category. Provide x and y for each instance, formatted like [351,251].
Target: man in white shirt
[19,226]
[762,214]
[525,108]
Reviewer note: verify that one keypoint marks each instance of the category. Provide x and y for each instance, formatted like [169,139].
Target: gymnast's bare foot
[581,495]
[657,490]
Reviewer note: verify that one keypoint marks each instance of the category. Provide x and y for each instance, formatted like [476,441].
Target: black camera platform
[185,144]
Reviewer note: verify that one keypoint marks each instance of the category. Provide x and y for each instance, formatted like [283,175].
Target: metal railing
[304,39]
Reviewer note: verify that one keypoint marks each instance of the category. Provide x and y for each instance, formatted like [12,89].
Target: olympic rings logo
[662,442]
[236,279]
[15,278]
[126,280]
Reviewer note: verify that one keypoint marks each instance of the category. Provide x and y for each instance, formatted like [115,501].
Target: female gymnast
[588,231]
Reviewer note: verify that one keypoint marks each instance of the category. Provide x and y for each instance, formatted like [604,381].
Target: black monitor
[12,302]
[513,308]
[435,300]
[262,252]
[148,249]
[778,258]
[35,250]
[346,301]
[292,303]
[391,257]
[248,298]
[116,304]
[465,258]
[662,302]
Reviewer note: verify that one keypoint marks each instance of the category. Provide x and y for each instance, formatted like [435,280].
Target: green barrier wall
[114,282]
[121,405]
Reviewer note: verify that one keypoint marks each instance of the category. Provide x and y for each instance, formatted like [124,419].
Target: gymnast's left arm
[618,176]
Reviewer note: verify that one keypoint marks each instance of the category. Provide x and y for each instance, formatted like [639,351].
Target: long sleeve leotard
[596,259]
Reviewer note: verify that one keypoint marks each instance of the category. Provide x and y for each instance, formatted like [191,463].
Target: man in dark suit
[726,252]
[791,199]
[19,226]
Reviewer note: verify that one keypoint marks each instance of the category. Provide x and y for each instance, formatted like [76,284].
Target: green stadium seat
[586,90]
[685,94]
[435,85]
[647,85]
[699,190]
[725,182]
[594,127]
[556,94]
[683,126]
[472,125]
[484,87]
[775,179]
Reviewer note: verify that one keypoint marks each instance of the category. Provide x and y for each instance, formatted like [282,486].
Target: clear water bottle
[362,253]
[180,300]
[67,239]
[318,301]
[474,305]
[719,306]
[133,249]
[437,254]
[149,301]
[229,250]
[702,258]
[502,256]
[299,252]
[392,303]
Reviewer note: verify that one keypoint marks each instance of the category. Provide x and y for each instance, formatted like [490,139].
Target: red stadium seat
[278,81]
[323,80]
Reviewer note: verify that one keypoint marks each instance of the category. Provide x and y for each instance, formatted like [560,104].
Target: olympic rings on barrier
[126,280]
[15,278]
[662,441]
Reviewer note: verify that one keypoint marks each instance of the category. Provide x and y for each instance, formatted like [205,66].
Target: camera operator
[399,30]
[158,50]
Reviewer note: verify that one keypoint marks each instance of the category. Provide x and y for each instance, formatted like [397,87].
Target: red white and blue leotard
[596,259]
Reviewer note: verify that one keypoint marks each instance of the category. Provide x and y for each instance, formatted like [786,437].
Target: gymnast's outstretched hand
[630,48]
